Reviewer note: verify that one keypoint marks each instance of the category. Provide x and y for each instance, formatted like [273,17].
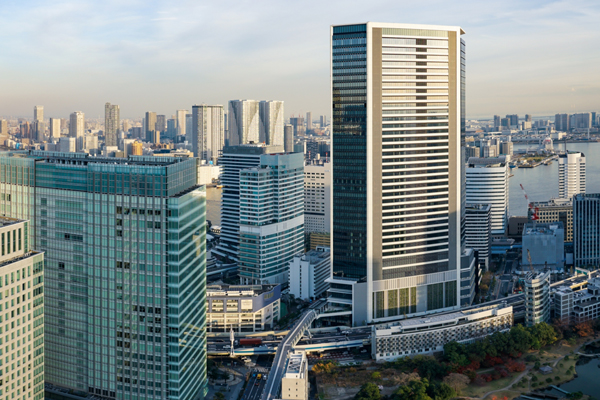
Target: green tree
[368,391]
[444,392]
[376,375]
[415,390]
[219,396]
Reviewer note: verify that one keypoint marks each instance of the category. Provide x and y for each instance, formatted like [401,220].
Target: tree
[415,390]
[376,375]
[368,391]
[444,392]
[584,329]
[219,396]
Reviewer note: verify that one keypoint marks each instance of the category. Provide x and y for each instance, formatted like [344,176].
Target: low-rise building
[429,334]
[537,298]
[576,306]
[242,308]
[545,244]
[554,210]
[308,273]
[294,384]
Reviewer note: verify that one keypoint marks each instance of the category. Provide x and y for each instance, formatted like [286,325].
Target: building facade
[244,122]
[294,384]
[308,273]
[288,138]
[537,298]
[55,128]
[586,230]
[554,210]
[545,245]
[180,117]
[125,270]
[271,218]
[112,122]
[208,132]
[571,175]
[77,124]
[152,136]
[387,228]
[22,291]
[478,230]
[414,336]
[317,198]
[487,183]
[243,309]
[271,122]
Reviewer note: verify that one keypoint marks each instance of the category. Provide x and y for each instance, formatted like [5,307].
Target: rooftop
[6,221]
[316,256]
[487,162]
[85,159]
[542,229]
[238,290]
[294,365]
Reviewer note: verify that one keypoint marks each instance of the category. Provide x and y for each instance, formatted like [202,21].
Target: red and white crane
[534,210]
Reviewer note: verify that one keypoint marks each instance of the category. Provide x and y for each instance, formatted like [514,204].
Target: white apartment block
[294,384]
[571,174]
[208,132]
[271,122]
[487,183]
[308,273]
[428,335]
[537,298]
[244,122]
[317,198]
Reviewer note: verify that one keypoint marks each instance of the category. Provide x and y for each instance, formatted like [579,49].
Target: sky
[523,56]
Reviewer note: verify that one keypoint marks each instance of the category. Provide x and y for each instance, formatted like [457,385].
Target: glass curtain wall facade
[398,178]
[125,273]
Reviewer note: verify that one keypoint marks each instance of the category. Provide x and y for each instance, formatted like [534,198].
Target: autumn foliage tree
[584,329]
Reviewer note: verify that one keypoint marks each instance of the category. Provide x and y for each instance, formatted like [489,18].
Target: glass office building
[398,110]
[125,270]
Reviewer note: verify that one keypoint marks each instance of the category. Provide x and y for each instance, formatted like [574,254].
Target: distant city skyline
[525,57]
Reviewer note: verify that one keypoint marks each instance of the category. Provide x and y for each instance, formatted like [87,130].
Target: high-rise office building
[288,138]
[317,198]
[55,128]
[271,122]
[561,122]
[112,121]
[487,183]
[298,124]
[234,160]
[271,218]
[38,113]
[244,122]
[125,261]
[514,120]
[323,121]
[77,124]
[309,124]
[528,118]
[152,136]
[478,224]
[180,117]
[3,127]
[39,126]
[207,132]
[571,174]
[22,282]
[161,123]
[397,168]
[581,120]
[586,230]
[497,119]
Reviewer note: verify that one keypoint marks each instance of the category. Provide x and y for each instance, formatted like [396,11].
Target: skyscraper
[397,169]
[161,123]
[207,131]
[323,121]
[271,217]
[561,122]
[309,124]
[3,127]
[571,174]
[38,113]
[151,134]
[125,281]
[288,138]
[39,126]
[244,122]
[317,198]
[271,122]
[497,119]
[180,117]
[55,127]
[77,124]
[112,121]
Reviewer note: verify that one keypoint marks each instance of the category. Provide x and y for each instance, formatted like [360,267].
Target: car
[227,346]
[257,383]
[254,375]
[345,332]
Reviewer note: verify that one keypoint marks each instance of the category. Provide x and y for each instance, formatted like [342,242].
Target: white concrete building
[317,198]
[571,174]
[487,183]
[294,384]
[77,124]
[271,122]
[54,128]
[208,173]
[428,335]
[208,132]
[67,144]
[181,116]
[308,273]
[244,122]
[537,298]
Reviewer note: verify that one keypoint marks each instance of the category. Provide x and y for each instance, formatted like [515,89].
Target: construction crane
[529,260]
[534,210]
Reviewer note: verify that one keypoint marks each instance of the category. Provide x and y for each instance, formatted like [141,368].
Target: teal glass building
[125,276]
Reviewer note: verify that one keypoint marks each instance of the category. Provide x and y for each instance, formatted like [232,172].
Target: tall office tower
[298,124]
[581,120]
[271,218]
[487,183]
[171,128]
[561,122]
[3,127]
[594,119]
[506,148]
[188,128]
[505,123]
[25,129]
[161,123]
[38,113]
[234,160]
[54,127]
[497,119]
[397,176]
[323,121]
[126,126]
[514,120]
[22,277]
[309,124]
[151,134]
[112,121]
[571,174]
[537,298]
[226,126]
[288,138]
[478,230]
[207,132]
[586,229]
[180,117]
[244,122]
[77,125]
[124,242]
[317,198]
[271,122]
[528,118]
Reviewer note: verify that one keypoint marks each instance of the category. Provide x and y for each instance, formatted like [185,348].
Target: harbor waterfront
[541,183]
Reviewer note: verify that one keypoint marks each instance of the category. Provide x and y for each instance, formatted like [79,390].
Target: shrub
[556,378]
[549,380]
